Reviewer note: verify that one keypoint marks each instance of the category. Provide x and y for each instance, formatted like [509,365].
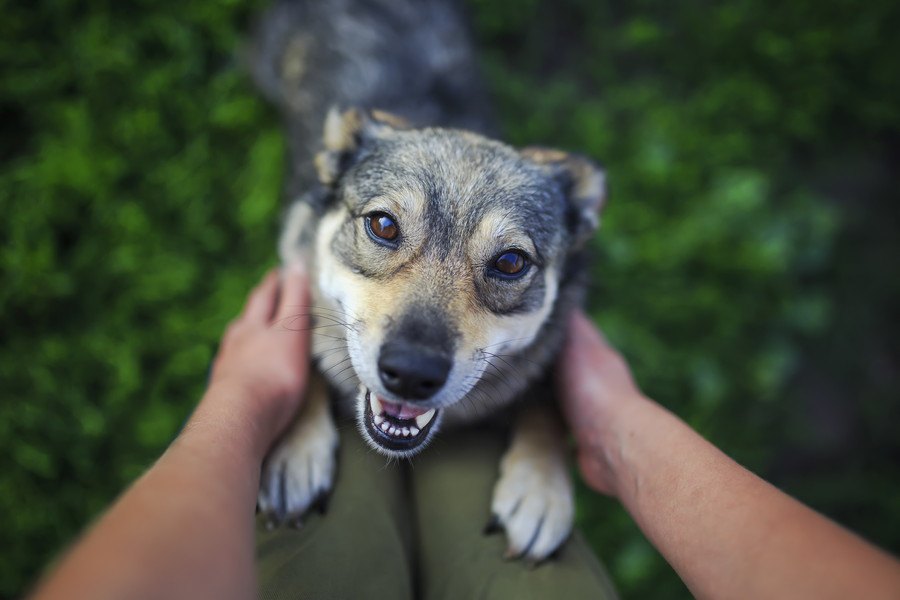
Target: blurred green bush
[747,263]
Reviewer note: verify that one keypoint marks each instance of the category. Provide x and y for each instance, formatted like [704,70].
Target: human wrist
[230,412]
[604,443]
[642,429]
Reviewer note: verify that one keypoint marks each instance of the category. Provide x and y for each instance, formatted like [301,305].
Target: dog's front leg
[299,471]
[533,499]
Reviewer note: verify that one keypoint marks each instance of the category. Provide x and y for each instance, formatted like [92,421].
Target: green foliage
[732,134]
[747,239]
[140,189]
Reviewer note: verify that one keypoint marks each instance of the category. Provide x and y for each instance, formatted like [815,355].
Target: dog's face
[445,249]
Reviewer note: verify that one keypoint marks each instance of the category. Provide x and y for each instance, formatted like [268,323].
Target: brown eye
[382,226]
[510,264]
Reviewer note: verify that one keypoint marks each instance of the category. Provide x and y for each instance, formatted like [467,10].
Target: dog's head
[446,250]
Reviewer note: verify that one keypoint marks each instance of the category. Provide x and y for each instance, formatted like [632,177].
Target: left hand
[595,388]
[263,359]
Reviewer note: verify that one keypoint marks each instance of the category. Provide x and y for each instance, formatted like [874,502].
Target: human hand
[263,359]
[595,385]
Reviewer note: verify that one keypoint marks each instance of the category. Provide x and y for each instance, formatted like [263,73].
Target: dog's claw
[533,500]
[492,526]
[299,472]
[321,503]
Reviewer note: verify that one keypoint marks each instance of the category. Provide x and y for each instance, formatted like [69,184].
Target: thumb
[294,297]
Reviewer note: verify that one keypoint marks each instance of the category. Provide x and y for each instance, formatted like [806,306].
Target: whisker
[335,321]
[312,328]
[344,370]
[319,307]
[345,379]
[492,381]
[467,399]
[484,400]
[498,376]
[510,341]
[331,351]
[498,357]
[479,398]
[335,364]
[519,357]
[330,337]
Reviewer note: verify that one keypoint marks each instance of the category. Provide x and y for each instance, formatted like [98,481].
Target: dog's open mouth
[397,427]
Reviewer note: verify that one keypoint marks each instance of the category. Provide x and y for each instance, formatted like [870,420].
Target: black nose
[412,372]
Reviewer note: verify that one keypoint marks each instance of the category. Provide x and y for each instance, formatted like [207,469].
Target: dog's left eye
[510,264]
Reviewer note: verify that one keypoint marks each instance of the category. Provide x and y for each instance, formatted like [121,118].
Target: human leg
[360,549]
[452,483]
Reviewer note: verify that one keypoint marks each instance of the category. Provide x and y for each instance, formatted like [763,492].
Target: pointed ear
[346,136]
[583,182]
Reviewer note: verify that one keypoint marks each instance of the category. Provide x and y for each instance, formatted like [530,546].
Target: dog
[443,263]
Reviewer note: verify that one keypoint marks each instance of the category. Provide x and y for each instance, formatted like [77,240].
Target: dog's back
[412,58]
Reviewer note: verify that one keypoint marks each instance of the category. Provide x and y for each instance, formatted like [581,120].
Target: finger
[587,343]
[229,333]
[582,355]
[588,355]
[583,331]
[294,301]
[261,302]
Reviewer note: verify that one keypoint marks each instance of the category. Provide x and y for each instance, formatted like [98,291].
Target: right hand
[595,385]
[263,360]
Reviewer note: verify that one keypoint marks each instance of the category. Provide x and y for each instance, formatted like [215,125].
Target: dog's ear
[346,136]
[583,182]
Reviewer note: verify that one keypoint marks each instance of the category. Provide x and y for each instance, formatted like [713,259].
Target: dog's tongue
[402,411]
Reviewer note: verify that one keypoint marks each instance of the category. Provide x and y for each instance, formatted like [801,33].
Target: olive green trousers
[413,529]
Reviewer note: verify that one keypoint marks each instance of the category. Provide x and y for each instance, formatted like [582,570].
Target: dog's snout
[412,372]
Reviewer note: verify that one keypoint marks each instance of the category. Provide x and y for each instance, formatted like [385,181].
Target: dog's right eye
[382,227]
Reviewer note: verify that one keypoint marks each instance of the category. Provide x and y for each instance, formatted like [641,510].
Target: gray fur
[433,295]
[413,58]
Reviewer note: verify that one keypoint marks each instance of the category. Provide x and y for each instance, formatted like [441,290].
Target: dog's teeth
[384,426]
[392,430]
[414,431]
[379,419]
[406,432]
[425,418]
[375,404]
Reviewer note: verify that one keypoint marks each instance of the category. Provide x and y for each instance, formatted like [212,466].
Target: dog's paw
[533,501]
[298,475]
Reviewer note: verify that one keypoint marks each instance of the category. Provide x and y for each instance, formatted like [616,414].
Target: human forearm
[183,530]
[728,533]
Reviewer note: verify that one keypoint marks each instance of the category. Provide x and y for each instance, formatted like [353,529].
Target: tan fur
[373,303]
[461,201]
[369,286]
[534,487]
[309,443]
[588,183]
